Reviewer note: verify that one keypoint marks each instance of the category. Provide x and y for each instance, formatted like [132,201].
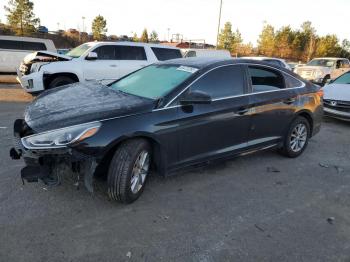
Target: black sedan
[163,118]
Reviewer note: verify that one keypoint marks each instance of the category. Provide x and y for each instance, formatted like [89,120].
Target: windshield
[78,51]
[154,81]
[343,79]
[322,62]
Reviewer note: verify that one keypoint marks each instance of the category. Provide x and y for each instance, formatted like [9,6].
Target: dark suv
[164,117]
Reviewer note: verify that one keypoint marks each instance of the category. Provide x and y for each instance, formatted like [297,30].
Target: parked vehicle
[14,48]
[337,97]
[100,61]
[63,51]
[294,65]
[321,70]
[165,117]
[205,53]
[271,60]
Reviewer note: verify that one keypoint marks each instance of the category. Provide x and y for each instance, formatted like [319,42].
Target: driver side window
[105,52]
[221,82]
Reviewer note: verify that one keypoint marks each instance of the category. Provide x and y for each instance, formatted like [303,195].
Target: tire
[124,168]
[325,79]
[295,142]
[60,81]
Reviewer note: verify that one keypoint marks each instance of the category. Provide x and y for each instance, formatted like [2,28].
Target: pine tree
[144,36]
[21,16]
[226,37]
[153,37]
[99,25]
[266,41]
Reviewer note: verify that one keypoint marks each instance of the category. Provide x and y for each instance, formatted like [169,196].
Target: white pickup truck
[101,61]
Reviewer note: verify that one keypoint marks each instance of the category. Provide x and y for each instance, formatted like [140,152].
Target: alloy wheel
[139,172]
[298,137]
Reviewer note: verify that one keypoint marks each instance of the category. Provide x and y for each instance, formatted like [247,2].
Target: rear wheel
[60,81]
[297,138]
[128,170]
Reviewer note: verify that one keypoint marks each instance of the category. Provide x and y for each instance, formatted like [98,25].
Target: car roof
[130,43]
[330,58]
[262,58]
[203,62]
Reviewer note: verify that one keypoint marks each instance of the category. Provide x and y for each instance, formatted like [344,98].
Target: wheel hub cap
[139,172]
[298,137]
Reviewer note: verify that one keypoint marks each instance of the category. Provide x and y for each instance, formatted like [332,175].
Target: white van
[13,49]
[205,53]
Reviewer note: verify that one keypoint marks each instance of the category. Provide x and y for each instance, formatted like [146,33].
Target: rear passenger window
[22,45]
[292,82]
[222,82]
[163,54]
[264,79]
[105,52]
[130,52]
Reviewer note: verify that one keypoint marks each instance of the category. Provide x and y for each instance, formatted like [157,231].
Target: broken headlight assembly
[61,137]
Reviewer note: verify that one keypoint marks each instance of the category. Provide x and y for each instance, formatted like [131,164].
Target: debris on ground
[330,220]
[128,254]
[279,183]
[164,217]
[339,169]
[272,169]
[258,227]
[323,165]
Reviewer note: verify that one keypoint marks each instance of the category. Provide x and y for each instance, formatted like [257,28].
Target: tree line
[300,44]
[22,21]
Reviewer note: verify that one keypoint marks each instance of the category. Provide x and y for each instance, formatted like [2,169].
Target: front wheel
[128,170]
[60,81]
[297,138]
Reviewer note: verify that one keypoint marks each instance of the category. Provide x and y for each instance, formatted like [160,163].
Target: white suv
[321,70]
[101,61]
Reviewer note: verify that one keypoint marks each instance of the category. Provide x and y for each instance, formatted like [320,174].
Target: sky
[194,19]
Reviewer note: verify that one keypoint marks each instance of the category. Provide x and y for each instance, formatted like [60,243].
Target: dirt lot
[261,207]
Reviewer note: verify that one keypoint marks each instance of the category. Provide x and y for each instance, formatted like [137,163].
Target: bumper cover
[31,83]
[336,114]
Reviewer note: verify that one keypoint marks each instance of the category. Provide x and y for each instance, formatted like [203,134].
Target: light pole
[83,23]
[217,35]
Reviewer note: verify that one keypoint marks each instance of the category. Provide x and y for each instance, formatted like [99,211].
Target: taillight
[320,93]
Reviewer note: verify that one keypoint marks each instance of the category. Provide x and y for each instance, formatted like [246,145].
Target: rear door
[130,58]
[221,127]
[272,103]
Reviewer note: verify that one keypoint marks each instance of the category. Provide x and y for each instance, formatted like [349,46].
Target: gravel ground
[261,207]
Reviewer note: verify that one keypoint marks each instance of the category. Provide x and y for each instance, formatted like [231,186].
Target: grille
[343,106]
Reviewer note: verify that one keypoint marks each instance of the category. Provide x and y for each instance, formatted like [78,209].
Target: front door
[220,127]
[104,68]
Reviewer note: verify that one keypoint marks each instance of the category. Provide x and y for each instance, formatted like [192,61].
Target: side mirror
[195,97]
[329,81]
[91,56]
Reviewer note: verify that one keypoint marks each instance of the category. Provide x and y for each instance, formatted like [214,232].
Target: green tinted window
[344,79]
[154,81]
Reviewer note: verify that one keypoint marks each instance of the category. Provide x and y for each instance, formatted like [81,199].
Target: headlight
[318,73]
[61,137]
[36,67]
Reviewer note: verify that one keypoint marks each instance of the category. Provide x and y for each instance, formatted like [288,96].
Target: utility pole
[83,23]
[217,35]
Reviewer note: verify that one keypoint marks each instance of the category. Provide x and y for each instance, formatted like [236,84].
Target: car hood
[80,103]
[44,56]
[337,92]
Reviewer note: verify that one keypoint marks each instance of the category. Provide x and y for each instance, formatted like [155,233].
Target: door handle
[113,65]
[242,111]
[289,101]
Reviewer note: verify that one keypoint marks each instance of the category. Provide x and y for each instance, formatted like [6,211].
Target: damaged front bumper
[53,166]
